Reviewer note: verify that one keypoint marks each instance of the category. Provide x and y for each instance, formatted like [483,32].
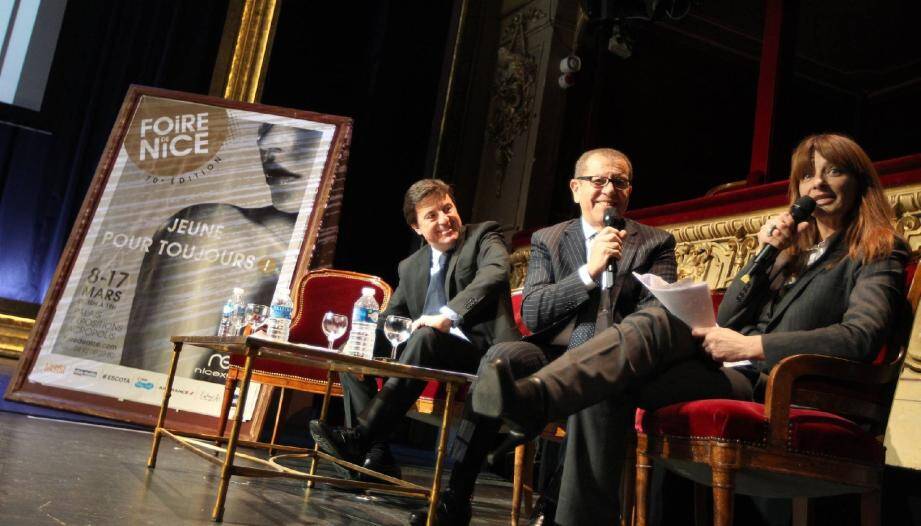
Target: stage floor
[55,472]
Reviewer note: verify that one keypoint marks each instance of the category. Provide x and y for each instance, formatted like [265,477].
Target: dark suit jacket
[476,286]
[837,307]
[554,292]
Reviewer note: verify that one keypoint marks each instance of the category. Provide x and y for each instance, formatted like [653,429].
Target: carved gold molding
[242,76]
[715,249]
[514,87]
[14,331]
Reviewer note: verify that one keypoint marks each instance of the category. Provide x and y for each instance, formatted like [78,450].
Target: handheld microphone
[801,209]
[612,219]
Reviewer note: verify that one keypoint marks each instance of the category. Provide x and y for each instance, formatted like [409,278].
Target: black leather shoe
[451,511]
[543,514]
[343,443]
[380,459]
[521,404]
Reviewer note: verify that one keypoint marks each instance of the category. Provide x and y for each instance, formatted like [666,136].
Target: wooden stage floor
[62,473]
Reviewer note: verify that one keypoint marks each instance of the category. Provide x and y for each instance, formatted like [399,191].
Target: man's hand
[435,321]
[605,246]
[727,345]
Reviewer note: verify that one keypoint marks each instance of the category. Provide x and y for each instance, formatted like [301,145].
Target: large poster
[199,199]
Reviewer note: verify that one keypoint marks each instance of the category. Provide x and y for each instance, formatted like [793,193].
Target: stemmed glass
[254,317]
[397,329]
[334,326]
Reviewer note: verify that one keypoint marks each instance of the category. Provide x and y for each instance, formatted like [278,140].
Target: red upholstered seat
[810,431]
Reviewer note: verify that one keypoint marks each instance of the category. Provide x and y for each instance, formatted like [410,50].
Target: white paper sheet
[689,301]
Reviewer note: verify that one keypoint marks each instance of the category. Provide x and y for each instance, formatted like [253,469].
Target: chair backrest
[516,311]
[324,290]
[868,404]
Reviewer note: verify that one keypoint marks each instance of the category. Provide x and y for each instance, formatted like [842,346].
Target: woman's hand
[727,345]
[780,231]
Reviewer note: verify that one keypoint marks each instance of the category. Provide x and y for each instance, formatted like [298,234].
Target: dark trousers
[648,360]
[476,434]
[426,347]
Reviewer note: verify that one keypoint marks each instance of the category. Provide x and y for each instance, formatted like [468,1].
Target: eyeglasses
[600,181]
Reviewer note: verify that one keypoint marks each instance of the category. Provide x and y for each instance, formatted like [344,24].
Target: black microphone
[801,209]
[611,218]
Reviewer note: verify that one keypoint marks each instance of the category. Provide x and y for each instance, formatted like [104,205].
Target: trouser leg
[593,461]
[357,394]
[476,434]
[614,360]
[426,347]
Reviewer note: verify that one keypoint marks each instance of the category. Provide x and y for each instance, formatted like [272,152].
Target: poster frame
[322,226]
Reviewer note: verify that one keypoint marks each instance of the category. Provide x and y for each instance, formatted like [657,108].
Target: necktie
[585,320]
[435,297]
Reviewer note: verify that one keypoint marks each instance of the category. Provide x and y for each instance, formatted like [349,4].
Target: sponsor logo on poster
[54,368]
[89,373]
[209,397]
[116,378]
[217,366]
[144,384]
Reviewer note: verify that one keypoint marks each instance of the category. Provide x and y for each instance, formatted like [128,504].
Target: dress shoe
[347,444]
[380,459]
[543,514]
[520,404]
[451,511]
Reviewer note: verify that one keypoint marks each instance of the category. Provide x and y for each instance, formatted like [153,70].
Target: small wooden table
[253,347]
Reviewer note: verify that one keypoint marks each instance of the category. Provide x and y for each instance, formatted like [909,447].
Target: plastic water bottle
[364,325]
[279,322]
[232,314]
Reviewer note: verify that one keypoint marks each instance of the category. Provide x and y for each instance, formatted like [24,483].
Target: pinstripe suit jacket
[554,292]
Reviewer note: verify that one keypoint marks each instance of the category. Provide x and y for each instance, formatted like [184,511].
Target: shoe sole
[318,432]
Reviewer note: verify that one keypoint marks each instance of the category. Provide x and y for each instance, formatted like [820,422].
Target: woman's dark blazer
[837,307]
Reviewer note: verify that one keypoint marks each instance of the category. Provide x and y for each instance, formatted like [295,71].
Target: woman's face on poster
[287,155]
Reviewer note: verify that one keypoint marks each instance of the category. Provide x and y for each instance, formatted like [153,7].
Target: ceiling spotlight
[571,64]
[621,43]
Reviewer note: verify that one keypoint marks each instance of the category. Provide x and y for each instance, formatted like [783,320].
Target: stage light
[621,43]
[571,64]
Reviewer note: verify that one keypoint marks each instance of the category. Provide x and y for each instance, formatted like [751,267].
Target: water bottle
[364,325]
[279,322]
[232,314]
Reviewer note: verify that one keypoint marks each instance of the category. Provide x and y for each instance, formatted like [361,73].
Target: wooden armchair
[818,433]
[319,291]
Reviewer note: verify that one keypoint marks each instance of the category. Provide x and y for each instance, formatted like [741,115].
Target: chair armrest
[790,370]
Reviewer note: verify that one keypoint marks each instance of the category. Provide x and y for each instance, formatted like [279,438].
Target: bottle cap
[368,291]
[238,290]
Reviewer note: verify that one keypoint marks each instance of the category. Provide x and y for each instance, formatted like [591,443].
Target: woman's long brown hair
[869,234]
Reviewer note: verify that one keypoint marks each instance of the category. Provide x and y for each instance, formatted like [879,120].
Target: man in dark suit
[456,290]
[565,296]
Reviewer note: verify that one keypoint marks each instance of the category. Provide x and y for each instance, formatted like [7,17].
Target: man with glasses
[566,301]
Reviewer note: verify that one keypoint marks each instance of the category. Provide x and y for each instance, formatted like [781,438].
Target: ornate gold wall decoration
[519,262]
[513,90]
[715,250]
[14,331]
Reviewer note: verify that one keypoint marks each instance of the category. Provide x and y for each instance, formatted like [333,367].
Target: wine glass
[397,329]
[334,326]
[254,317]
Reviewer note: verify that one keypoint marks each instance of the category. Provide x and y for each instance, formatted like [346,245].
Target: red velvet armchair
[317,292]
[818,433]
